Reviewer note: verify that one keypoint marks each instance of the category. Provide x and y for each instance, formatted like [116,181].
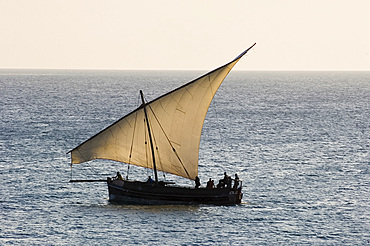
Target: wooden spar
[150,138]
[87,180]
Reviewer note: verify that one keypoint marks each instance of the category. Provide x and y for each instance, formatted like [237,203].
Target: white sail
[176,121]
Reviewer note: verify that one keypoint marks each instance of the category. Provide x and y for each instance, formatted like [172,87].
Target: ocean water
[300,141]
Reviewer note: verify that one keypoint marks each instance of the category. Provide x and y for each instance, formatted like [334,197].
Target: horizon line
[240,70]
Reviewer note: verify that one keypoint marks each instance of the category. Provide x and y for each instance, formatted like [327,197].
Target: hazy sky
[187,34]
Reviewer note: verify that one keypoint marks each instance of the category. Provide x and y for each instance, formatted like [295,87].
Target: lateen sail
[176,121]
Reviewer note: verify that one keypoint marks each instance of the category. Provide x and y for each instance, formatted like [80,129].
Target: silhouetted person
[236,182]
[227,180]
[210,184]
[197,182]
[119,176]
[150,180]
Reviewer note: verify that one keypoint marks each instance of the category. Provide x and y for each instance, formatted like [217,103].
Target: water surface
[299,140]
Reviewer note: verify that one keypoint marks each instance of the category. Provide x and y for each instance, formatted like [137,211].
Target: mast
[150,138]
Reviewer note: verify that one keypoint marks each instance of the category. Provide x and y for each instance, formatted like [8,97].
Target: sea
[299,141]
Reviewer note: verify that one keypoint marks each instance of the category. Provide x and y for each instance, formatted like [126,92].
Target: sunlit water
[299,140]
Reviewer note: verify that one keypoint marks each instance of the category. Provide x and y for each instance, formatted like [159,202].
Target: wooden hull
[135,192]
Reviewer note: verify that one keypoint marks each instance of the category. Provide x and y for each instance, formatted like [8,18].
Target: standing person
[236,182]
[227,180]
[197,182]
[225,177]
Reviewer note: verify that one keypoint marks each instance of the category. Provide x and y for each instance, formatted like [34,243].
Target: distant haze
[191,35]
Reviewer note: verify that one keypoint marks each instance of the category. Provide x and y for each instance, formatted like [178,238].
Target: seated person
[150,180]
[119,176]
[210,184]
[221,184]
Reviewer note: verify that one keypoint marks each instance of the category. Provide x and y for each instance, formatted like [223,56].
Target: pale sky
[187,34]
